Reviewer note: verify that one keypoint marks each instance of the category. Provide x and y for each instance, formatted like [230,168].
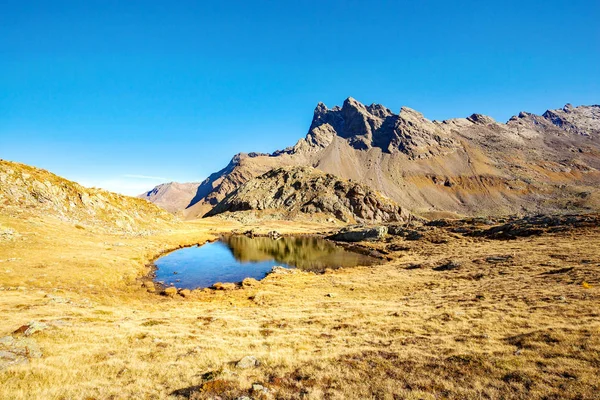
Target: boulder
[247,362]
[32,327]
[250,282]
[170,291]
[224,286]
[149,285]
[359,234]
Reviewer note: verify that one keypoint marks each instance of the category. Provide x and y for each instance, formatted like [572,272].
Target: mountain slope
[471,166]
[26,189]
[293,191]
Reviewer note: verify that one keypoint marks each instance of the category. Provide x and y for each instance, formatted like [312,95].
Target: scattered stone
[248,362]
[31,328]
[498,259]
[17,351]
[170,291]
[360,233]
[259,389]
[448,266]
[250,282]
[274,235]
[330,295]
[149,285]
[280,270]
[185,292]
[8,355]
[224,286]
[6,340]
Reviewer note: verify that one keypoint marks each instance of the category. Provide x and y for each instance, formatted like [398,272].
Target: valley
[494,308]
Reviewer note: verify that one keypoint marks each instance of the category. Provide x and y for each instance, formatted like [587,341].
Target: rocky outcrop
[295,190]
[465,166]
[360,233]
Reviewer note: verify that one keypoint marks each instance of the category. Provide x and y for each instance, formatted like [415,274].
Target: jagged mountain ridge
[474,165]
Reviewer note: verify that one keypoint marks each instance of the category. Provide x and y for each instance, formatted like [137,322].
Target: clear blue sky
[104,92]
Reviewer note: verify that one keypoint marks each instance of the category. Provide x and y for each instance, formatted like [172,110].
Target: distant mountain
[468,166]
[26,189]
[292,192]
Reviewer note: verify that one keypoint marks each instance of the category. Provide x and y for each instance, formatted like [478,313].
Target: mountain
[468,166]
[29,190]
[294,191]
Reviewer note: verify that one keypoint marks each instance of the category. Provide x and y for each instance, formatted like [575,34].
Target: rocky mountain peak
[321,108]
[481,119]
[365,127]
[582,120]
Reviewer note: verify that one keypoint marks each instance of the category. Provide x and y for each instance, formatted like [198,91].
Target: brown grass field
[522,325]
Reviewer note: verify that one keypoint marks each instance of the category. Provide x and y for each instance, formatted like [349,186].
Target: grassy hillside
[503,320]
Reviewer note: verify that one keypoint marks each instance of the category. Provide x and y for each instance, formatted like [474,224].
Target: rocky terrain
[173,196]
[27,191]
[295,191]
[465,166]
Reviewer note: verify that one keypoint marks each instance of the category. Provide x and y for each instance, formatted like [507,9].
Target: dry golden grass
[526,327]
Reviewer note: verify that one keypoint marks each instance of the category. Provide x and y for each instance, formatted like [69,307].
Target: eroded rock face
[306,190]
[468,166]
[366,127]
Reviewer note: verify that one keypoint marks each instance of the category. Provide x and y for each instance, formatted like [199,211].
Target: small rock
[274,235]
[330,295]
[360,233]
[250,282]
[7,340]
[7,355]
[498,259]
[448,266]
[280,270]
[224,286]
[248,362]
[185,292]
[170,291]
[149,285]
[32,327]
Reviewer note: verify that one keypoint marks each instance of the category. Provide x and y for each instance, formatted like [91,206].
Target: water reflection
[307,253]
[234,258]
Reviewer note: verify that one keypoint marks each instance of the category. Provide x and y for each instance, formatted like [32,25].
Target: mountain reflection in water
[234,258]
[307,253]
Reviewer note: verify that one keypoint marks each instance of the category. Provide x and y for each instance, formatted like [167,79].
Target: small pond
[233,258]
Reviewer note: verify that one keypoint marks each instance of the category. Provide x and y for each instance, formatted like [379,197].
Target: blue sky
[126,94]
